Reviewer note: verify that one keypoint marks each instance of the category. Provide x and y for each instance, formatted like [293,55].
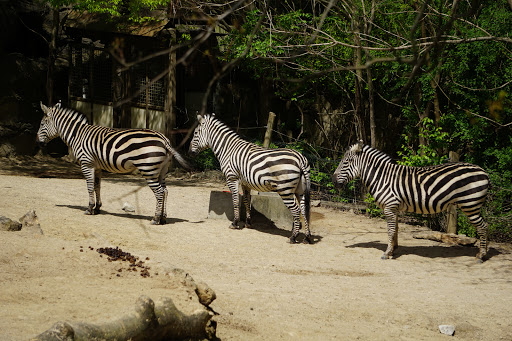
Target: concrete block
[271,206]
[268,204]
[221,206]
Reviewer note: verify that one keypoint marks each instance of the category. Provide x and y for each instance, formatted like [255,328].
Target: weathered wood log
[149,322]
[448,238]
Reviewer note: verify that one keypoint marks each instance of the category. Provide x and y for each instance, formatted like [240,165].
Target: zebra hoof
[159,220]
[292,240]
[480,258]
[307,240]
[384,257]
[234,227]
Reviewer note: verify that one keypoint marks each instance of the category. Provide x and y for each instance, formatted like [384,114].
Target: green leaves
[136,11]
[426,154]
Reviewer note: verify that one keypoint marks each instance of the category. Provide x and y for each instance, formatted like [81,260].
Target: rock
[447,329]
[7,224]
[205,294]
[128,208]
[316,203]
[31,223]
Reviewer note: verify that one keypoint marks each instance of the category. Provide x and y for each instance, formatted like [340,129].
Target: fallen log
[448,238]
[162,321]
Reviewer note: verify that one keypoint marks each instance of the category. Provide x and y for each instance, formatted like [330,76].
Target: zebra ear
[44,108]
[200,118]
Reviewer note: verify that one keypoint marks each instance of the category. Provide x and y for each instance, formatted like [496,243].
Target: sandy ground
[336,289]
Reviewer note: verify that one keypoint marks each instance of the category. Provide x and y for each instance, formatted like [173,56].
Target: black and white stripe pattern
[99,148]
[250,166]
[425,190]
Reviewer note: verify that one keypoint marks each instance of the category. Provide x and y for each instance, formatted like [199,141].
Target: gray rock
[31,222]
[447,329]
[7,224]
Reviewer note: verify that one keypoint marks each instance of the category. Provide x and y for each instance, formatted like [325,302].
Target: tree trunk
[52,52]
[371,99]
[371,108]
[170,98]
[149,322]
[121,81]
[358,95]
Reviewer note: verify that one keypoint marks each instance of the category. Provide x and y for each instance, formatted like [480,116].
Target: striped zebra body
[424,190]
[252,167]
[99,148]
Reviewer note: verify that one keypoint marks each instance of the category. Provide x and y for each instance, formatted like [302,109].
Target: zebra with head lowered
[99,148]
[424,190]
[250,166]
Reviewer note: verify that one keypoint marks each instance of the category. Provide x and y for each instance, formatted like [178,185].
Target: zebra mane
[378,154]
[218,123]
[75,114]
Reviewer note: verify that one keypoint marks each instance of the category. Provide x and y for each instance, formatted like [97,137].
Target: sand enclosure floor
[337,288]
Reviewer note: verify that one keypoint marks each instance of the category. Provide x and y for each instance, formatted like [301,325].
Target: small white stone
[447,329]
[128,208]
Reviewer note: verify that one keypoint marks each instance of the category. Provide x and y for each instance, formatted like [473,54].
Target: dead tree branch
[162,321]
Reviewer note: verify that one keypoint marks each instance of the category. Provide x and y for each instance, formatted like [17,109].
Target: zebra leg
[291,202]
[160,195]
[97,189]
[163,217]
[247,203]
[91,182]
[233,187]
[391,217]
[161,181]
[481,229]
[395,237]
[307,238]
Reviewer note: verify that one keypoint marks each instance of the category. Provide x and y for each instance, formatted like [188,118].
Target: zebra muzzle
[335,181]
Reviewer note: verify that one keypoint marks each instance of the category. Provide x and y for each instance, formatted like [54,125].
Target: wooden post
[268,133]
[451,226]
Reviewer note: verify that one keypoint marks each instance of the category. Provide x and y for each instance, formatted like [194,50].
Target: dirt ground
[336,289]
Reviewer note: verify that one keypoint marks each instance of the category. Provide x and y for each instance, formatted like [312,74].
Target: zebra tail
[179,158]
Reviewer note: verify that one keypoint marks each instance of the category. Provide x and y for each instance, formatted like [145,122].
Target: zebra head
[200,139]
[348,168]
[47,130]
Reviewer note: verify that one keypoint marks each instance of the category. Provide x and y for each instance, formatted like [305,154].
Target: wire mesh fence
[91,77]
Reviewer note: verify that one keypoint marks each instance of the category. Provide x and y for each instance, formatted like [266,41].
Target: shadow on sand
[433,251]
[170,220]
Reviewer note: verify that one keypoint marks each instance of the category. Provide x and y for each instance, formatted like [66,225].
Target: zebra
[425,190]
[250,166]
[98,148]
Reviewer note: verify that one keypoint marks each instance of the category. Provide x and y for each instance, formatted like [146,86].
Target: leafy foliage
[427,154]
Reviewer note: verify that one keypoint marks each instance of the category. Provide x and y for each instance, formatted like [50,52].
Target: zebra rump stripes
[99,148]
[284,171]
[424,190]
